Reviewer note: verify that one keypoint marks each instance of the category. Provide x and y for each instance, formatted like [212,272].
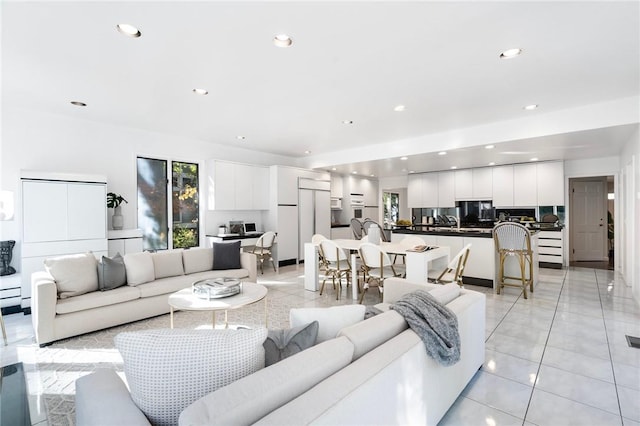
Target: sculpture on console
[6,253]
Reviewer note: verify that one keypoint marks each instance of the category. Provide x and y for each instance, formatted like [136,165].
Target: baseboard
[8,310]
[287,262]
[550,265]
[482,282]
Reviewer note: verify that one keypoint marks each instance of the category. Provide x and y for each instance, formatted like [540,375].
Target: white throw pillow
[74,274]
[167,263]
[139,268]
[197,259]
[446,293]
[330,320]
[167,370]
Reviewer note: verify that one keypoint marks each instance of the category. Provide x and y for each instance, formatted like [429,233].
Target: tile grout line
[606,336]
[555,312]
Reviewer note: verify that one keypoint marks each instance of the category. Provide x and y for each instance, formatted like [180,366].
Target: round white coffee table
[186,300]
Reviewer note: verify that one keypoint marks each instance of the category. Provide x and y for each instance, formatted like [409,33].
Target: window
[154,214]
[391,201]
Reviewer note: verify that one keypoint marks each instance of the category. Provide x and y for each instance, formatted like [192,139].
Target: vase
[117,221]
[6,253]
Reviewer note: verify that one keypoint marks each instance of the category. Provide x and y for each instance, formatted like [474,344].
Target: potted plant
[113,202]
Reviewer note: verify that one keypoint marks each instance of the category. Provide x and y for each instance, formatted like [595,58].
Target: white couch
[374,372]
[56,318]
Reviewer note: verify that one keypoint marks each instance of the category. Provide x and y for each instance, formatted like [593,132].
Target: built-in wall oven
[357,206]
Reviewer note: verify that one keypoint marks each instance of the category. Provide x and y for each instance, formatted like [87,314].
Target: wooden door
[588,220]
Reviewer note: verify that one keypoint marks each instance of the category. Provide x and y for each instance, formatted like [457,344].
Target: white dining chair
[263,249]
[454,270]
[337,265]
[377,267]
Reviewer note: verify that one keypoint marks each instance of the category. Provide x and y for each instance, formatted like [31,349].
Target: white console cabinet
[124,241]
[61,214]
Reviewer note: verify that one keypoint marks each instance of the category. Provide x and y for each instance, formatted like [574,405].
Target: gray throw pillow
[226,255]
[281,344]
[111,273]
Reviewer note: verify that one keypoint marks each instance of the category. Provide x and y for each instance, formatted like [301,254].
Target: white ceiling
[349,61]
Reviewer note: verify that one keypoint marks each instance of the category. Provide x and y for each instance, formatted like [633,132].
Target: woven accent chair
[337,265]
[357,229]
[262,249]
[454,270]
[377,267]
[513,240]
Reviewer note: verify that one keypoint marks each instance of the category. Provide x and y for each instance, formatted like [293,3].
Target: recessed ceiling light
[282,40]
[240,137]
[347,121]
[411,171]
[354,172]
[442,153]
[404,158]
[128,30]
[454,167]
[399,108]
[489,146]
[511,53]
[530,107]
[534,159]
[78,103]
[334,169]
[492,163]
[201,92]
[372,175]
[307,152]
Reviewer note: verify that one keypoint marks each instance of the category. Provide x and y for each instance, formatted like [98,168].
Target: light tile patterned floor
[557,358]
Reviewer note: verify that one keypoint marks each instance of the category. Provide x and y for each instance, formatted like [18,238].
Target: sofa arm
[44,296]
[395,288]
[248,261]
[103,399]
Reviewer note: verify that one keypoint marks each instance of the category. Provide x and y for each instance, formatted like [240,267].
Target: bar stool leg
[4,331]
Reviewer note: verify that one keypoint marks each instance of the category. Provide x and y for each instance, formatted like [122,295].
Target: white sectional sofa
[151,278]
[373,372]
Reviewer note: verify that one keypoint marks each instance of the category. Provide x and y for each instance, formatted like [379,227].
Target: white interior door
[588,220]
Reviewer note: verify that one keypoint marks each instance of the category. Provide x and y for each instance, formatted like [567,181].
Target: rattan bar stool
[514,240]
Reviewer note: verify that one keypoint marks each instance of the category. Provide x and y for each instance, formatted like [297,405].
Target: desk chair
[514,240]
[357,229]
[454,270]
[263,247]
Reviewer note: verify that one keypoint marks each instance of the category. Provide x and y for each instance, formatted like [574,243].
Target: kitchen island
[482,264]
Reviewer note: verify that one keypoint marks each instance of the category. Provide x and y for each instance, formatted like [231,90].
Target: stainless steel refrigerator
[314,211]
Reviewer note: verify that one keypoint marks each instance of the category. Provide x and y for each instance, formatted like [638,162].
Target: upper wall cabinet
[525,183]
[482,183]
[234,186]
[336,186]
[446,189]
[550,179]
[502,186]
[430,189]
[464,184]
[414,191]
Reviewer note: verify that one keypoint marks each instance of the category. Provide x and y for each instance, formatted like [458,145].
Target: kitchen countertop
[236,236]
[455,232]
[339,225]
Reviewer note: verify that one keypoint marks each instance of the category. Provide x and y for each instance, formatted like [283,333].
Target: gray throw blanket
[436,325]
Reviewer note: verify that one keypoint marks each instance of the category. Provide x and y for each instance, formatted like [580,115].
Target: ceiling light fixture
[372,175]
[307,152]
[454,167]
[411,171]
[240,137]
[347,121]
[492,163]
[354,172]
[200,92]
[511,53]
[404,158]
[282,40]
[334,169]
[399,108]
[530,107]
[78,103]
[489,146]
[128,30]
[534,159]
[442,153]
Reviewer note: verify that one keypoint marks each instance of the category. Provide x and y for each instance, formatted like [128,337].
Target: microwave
[336,203]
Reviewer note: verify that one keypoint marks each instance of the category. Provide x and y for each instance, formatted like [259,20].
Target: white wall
[628,212]
[33,140]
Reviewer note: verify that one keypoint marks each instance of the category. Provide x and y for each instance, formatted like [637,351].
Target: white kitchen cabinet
[124,241]
[480,263]
[234,186]
[44,211]
[430,190]
[341,233]
[464,184]
[336,186]
[446,189]
[430,240]
[551,249]
[287,185]
[482,183]
[550,183]
[370,189]
[525,183]
[414,191]
[502,186]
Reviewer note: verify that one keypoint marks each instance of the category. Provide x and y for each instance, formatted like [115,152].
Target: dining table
[418,263]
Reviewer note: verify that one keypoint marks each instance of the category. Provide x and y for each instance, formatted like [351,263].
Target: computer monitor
[249,227]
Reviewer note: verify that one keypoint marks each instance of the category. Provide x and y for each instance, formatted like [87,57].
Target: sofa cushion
[445,293]
[111,272]
[74,274]
[169,369]
[251,398]
[330,320]
[369,334]
[197,259]
[167,263]
[97,299]
[281,344]
[139,267]
[165,285]
[226,255]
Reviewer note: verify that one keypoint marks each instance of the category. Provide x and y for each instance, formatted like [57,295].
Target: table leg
[213,319]
[171,316]
[266,314]
[226,319]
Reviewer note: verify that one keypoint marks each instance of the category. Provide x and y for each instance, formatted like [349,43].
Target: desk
[417,263]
